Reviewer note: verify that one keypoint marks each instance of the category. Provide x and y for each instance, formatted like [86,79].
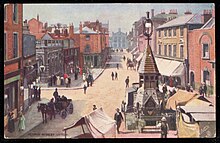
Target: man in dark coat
[54,80]
[55,94]
[127,81]
[116,75]
[118,118]
[164,89]
[204,88]
[84,88]
[69,81]
[200,90]
[112,76]
[164,128]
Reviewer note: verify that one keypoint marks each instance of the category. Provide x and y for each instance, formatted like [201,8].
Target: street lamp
[147,27]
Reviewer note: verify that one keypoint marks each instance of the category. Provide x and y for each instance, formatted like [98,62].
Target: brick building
[202,53]
[172,47]
[93,41]
[13,96]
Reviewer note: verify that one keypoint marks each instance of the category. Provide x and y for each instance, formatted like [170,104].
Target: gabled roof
[183,20]
[163,16]
[86,30]
[39,35]
[148,64]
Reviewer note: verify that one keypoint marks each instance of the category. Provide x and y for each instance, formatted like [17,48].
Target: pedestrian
[127,81]
[91,80]
[55,94]
[118,118]
[54,80]
[75,76]
[69,81]
[84,88]
[94,107]
[123,106]
[21,122]
[200,90]
[39,93]
[116,75]
[87,80]
[164,128]
[11,124]
[124,58]
[188,87]
[204,87]
[66,81]
[112,76]
[117,66]
[164,89]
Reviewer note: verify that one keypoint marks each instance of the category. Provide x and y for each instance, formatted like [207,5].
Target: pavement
[33,118]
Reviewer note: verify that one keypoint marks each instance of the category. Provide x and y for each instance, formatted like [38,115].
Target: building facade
[92,39]
[202,55]
[119,40]
[13,78]
[172,48]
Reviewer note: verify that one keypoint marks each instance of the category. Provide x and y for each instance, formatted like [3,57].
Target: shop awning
[204,116]
[169,67]
[139,57]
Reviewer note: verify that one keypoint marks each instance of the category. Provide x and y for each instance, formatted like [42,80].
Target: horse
[43,108]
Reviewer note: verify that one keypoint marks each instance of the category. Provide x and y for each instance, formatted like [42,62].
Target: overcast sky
[119,15]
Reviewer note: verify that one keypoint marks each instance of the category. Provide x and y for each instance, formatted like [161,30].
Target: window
[165,33]
[5,14]
[5,53]
[159,49]
[174,50]
[15,13]
[170,32]
[159,33]
[181,51]
[115,39]
[87,37]
[170,50]
[205,50]
[174,31]
[165,50]
[87,48]
[15,45]
[181,31]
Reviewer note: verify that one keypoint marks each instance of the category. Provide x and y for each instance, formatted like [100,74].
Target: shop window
[206,76]
[205,51]
[87,49]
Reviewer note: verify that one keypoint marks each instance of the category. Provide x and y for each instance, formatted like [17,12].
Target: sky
[119,15]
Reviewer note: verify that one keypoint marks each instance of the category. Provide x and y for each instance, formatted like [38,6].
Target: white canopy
[169,67]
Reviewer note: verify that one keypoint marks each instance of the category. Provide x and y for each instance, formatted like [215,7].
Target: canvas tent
[98,123]
[181,97]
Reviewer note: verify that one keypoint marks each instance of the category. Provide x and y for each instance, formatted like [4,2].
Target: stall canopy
[181,97]
[99,124]
[169,67]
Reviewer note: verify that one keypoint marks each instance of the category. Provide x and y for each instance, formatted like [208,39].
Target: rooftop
[86,30]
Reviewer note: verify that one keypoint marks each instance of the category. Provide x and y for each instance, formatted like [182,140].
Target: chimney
[207,14]
[71,31]
[45,25]
[152,13]
[37,17]
[80,27]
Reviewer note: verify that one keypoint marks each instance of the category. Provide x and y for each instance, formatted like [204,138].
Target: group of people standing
[61,80]
[114,76]
[37,93]
[88,82]
[11,122]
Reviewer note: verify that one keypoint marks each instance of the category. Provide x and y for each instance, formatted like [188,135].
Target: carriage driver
[55,94]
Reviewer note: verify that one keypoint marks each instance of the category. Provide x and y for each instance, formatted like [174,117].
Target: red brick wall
[35,26]
[196,38]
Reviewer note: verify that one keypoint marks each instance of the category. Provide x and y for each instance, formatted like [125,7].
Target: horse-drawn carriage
[61,107]
[131,64]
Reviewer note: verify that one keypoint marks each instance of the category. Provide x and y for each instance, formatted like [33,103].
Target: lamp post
[147,27]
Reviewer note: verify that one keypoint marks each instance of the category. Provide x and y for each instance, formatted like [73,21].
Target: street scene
[107,75]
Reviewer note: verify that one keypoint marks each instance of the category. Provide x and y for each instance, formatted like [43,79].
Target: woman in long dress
[21,123]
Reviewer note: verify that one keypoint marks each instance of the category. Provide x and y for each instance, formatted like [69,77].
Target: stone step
[150,129]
